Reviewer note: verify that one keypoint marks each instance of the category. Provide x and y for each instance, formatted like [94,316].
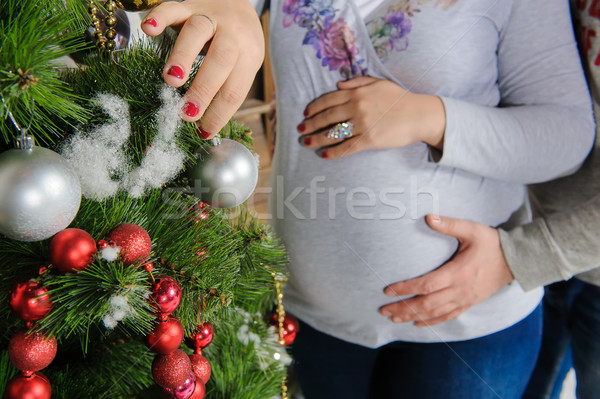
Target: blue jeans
[495,366]
[571,338]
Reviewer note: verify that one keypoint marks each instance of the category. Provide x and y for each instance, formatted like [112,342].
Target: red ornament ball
[199,391]
[166,295]
[134,241]
[290,327]
[202,337]
[184,391]
[71,250]
[31,352]
[166,336]
[35,386]
[200,366]
[30,301]
[170,371]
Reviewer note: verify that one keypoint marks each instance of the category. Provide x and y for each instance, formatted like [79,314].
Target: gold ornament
[137,5]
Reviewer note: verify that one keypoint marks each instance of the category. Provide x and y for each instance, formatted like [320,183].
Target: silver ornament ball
[225,175]
[39,194]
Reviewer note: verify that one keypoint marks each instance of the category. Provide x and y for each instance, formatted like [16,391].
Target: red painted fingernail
[307,140]
[151,21]
[324,154]
[203,133]
[301,127]
[190,109]
[306,112]
[176,71]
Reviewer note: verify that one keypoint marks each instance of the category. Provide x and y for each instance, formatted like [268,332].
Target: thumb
[457,228]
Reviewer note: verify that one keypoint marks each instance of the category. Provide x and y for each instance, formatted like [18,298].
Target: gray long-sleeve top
[565,240]
[518,112]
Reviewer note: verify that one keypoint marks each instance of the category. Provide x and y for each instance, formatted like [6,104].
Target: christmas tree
[108,256]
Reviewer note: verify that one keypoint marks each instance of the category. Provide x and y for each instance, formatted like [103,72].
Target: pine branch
[35,34]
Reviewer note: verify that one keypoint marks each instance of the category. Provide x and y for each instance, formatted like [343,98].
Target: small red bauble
[290,327]
[134,241]
[71,250]
[202,337]
[200,390]
[166,336]
[170,371]
[30,301]
[35,386]
[31,352]
[200,366]
[166,295]
[184,391]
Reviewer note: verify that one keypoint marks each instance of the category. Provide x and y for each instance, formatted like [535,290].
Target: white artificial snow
[118,310]
[110,254]
[99,156]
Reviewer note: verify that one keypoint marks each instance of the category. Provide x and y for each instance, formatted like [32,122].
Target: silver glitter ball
[225,175]
[39,194]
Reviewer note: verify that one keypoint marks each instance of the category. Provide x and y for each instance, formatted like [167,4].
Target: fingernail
[301,127]
[385,313]
[389,292]
[151,21]
[176,71]
[203,133]
[324,154]
[305,112]
[397,319]
[190,109]
[307,140]
[436,218]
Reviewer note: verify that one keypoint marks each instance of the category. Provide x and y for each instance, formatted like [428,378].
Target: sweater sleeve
[543,126]
[554,248]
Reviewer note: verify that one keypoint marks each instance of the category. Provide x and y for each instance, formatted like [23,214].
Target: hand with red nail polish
[221,84]
[384,115]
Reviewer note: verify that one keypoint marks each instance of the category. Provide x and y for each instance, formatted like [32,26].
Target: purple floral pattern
[334,41]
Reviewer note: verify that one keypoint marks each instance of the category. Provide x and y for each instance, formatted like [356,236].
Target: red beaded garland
[35,386]
[31,352]
[71,250]
[134,241]
[166,336]
[30,301]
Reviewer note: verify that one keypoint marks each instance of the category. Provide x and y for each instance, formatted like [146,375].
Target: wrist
[434,121]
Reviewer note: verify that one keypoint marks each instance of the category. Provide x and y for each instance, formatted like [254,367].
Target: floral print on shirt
[335,42]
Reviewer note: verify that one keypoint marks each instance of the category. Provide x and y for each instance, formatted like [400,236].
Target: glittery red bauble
[202,337]
[31,352]
[72,250]
[35,386]
[290,327]
[30,301]
[170,371]
[166,295]
[199,391]
[166,336]
[134,241]
[184,391]
[201,366]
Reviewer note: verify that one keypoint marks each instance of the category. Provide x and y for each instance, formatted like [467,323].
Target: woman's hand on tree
[232,34]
